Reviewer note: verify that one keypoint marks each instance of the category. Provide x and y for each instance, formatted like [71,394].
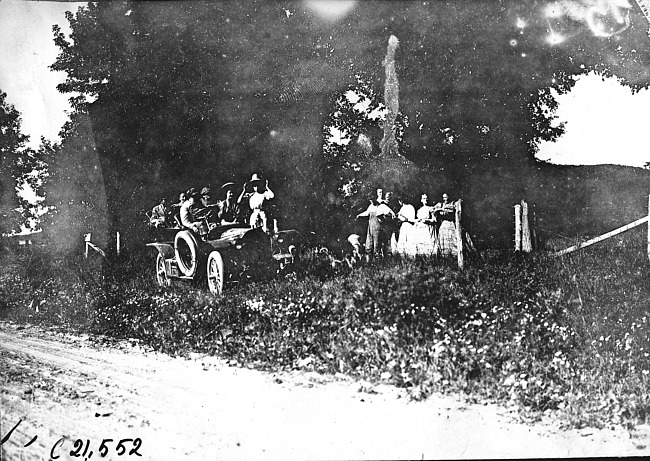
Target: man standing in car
[258,202]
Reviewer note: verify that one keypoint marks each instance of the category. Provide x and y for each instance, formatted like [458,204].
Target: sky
[605,123]
[26,50]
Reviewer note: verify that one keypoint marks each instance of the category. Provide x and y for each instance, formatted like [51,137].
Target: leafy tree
[190,93]
[31,175]
[350,138]
[183,96]
[12,148]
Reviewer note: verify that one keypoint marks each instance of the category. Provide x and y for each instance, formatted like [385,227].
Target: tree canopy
[12,167]
[184,94]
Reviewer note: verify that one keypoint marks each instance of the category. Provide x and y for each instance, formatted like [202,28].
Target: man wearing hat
[258,202]
[188,213]
[206,196]
[210,209]
[228,207]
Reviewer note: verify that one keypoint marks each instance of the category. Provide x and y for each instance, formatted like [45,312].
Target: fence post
[533,229]
[87,241]
[648,226]
[517,227]
[526,245]
[117,242]
[459,233]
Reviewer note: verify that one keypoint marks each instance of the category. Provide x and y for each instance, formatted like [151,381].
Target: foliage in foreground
[556,336]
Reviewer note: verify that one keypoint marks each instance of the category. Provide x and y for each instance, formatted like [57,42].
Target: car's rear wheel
[161,274]
[186,248]
[216,273]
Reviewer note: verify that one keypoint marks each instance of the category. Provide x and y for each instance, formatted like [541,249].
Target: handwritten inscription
[122,447]
[82,449]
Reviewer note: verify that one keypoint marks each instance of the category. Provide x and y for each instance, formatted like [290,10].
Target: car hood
[234,233]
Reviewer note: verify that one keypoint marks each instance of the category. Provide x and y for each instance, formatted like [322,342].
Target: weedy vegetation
[560,337]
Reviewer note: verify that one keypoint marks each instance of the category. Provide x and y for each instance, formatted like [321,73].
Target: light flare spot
[554,38]
[331,10]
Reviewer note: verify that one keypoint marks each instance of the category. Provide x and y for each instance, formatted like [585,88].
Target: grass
[565,337]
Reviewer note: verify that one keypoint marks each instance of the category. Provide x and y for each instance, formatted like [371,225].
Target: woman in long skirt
[446,214]
[405,241]
[424,230]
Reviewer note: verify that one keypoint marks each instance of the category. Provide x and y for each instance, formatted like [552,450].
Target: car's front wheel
[161,274]
[216,273]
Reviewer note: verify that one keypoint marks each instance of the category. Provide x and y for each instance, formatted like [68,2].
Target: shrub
[565,336]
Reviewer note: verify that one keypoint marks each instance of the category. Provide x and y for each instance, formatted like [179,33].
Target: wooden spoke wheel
[161,274]
[215,273]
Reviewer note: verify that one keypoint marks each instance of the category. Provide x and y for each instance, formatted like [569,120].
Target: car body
[227,253]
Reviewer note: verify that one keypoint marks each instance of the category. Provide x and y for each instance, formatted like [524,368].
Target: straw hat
[255,180]
[191,192]
[226,187]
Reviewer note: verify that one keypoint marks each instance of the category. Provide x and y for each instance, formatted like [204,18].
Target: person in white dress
[406,218]
[424,230]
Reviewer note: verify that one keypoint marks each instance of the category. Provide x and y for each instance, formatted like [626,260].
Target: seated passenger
[188,213]
[228,207]
[210,209]
[159,214]
[176,209]
[243,208]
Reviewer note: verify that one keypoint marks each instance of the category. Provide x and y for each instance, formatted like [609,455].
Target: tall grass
[563,336]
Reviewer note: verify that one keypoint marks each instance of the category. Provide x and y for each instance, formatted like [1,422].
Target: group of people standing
[394,226]
[397,227]
[197,211]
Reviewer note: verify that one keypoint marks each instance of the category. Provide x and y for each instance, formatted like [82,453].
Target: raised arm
[243,192]
[268,193]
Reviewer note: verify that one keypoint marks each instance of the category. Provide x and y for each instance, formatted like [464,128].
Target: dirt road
[58,388]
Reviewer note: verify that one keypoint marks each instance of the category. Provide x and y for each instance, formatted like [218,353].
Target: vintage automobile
[225,254]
